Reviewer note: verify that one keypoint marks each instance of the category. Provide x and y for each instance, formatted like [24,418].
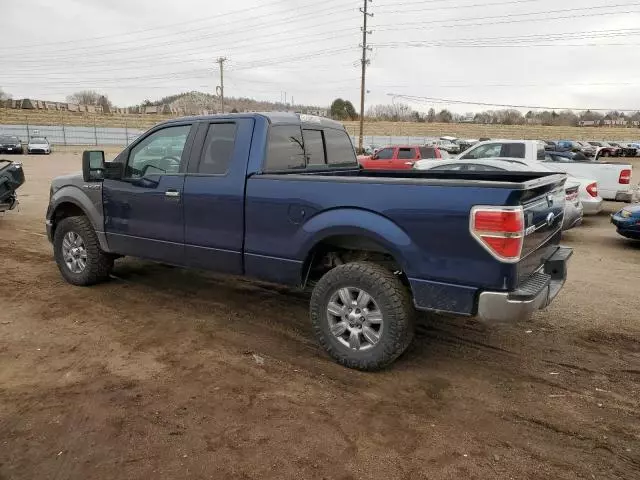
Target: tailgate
[543,217]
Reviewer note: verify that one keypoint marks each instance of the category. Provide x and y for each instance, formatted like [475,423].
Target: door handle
[172,194]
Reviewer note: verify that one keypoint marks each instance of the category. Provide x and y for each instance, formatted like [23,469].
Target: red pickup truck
[400,157]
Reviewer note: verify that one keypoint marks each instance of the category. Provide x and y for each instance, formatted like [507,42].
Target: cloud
[151,48]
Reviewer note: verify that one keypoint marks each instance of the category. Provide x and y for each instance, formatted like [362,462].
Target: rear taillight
[500,230]
[625,177]
[592,189]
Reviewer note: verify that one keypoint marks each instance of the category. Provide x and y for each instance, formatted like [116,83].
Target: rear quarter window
[340,150]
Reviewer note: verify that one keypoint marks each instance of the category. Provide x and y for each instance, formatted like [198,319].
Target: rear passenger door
[214,195]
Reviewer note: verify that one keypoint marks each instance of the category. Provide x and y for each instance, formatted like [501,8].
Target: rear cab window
[292,147]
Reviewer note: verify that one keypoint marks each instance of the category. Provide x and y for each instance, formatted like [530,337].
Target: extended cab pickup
[614,179]
[280,198]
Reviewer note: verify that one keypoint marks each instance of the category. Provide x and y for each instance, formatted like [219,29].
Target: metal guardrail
[73,135]
[122,136]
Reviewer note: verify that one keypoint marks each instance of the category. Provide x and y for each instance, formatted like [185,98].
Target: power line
[504,105]
[485,24]
[225,34]
[160,27]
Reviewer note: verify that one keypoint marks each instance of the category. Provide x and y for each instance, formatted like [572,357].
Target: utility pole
[220,89]
[365,62]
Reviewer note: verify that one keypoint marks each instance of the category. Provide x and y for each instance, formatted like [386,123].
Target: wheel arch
[72,202]
[361,235]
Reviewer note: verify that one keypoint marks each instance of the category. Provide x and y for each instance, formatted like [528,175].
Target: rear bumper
[624,197]
[592,207]
[535,294]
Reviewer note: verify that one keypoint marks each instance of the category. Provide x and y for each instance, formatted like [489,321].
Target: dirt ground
[167,374]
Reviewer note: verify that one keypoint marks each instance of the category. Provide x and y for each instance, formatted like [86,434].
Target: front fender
[91,207]
[358,222]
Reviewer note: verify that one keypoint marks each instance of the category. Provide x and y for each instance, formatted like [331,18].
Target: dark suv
[10,144]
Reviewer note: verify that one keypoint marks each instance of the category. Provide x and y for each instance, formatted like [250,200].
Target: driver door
[143,210]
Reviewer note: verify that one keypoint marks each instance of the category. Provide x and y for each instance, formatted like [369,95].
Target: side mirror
[93,165]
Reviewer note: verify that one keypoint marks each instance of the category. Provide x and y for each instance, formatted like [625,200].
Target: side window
[286,150]
[314,147]
[159,153]
[427,152]
[385,154]
[512,150]
[218,149]
[406,153]
[340,150]
[541,153]
[484,151]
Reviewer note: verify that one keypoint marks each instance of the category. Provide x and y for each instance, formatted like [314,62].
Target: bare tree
[89,97]
[4,96]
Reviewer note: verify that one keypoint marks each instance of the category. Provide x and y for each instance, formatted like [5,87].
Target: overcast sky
[569,53]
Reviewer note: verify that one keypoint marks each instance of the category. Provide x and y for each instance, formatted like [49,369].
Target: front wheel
[77,252]
[362,315]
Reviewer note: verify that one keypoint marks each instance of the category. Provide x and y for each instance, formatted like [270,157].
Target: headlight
[625,214]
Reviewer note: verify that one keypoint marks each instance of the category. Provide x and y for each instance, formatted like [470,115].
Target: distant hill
[193,103]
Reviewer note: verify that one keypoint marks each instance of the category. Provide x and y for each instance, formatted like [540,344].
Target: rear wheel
[77,252]
[362,315]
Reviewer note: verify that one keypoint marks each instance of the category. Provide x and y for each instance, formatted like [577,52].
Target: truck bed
[286,213]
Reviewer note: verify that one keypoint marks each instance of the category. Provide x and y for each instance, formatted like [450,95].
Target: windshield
[8,139]
[39,141]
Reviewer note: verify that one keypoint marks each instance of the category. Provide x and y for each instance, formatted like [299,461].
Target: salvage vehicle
[587,149]
[603,149]
[280,197]
[614,179]
[627,149]
[573,210]
[11,178]
[400,157]
[627,221]
[10,144]
[39,145]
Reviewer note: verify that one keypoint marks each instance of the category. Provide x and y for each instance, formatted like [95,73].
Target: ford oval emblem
[550,218]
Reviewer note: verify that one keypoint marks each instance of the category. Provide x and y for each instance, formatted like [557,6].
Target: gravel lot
[167,374]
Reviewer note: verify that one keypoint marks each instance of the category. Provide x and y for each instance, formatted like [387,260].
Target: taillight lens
[500,230]
[592,189]
[625,177]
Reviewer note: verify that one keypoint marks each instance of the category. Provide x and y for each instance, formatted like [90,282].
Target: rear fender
[357,222]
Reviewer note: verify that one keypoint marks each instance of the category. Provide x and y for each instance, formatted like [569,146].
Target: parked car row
[594,148]
[590,180]
[12,145]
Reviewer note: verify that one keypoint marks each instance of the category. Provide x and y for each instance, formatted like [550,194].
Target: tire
[97,264]
[390,301]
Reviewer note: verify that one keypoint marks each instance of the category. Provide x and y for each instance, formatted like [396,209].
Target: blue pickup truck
[280,197]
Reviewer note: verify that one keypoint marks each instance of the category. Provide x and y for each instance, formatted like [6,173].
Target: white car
[575,189]
[39,145]
[614,179]
[588,188]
